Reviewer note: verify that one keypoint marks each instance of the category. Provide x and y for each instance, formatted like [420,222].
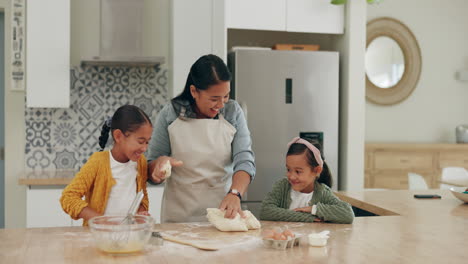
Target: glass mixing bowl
[115,236]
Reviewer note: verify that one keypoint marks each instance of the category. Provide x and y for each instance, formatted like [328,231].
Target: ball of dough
[166,168]
[216,217]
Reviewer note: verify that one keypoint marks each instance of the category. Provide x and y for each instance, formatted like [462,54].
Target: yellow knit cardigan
[94,181]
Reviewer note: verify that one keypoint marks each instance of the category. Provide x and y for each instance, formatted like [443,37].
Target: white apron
[204,145]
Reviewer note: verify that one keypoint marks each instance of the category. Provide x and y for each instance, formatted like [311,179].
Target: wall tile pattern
[64,138]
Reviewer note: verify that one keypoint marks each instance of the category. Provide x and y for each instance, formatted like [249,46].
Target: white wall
[15,195]
[352,46]
[439,102]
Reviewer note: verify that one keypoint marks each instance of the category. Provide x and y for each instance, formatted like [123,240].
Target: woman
[205,137]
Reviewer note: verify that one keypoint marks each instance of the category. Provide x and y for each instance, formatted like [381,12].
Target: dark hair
[128,118]
[298,149]
[206,71]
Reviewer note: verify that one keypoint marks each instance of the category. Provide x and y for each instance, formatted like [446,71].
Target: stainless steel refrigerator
[285,94]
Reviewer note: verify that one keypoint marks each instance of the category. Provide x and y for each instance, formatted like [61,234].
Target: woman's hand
[231,206]
[307,209]
[155,167]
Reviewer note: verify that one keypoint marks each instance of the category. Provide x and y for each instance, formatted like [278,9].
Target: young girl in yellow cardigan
[110,180]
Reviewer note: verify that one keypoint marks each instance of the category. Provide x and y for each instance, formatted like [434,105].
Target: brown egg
[278,236]
[268,233]
[288,233]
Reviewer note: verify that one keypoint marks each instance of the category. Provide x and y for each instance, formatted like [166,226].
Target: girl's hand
[157,174]
[318,219]
[143,213]
[307,209]
[88,213]
[231,206]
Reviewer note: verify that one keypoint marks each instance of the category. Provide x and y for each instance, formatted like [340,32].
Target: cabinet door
[48,53]
[256,14]
[314,16]
[43,208]
[78,222]
[155,194]
[191,37]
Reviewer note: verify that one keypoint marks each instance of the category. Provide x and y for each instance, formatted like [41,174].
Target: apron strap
[182,113]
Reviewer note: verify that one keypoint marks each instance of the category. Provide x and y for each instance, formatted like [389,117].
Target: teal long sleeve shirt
[275,207]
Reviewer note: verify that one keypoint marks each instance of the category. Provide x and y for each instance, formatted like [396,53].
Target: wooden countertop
[415,231]
[53,177]
[420,146]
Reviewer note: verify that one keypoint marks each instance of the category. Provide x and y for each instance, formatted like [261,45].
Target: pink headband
[314,150]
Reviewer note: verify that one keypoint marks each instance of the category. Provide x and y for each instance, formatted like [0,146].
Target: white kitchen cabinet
[256,14]
[198,28]
[78,222]
[155,194]
[311,16]
[48,53]
[43,207]
[318,16]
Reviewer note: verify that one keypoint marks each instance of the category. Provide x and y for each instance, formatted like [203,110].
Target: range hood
[121,36]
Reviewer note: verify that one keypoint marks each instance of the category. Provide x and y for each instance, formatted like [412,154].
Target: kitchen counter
[44,191]
[413,231]
[51,178]
[46,178]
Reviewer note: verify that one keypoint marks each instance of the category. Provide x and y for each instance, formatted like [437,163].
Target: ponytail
[325,176]
[105,133]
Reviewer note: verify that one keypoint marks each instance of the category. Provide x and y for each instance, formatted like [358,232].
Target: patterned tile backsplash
[64,138]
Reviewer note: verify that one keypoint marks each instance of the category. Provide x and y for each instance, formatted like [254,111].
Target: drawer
[368,161]
[390,181]
[400,160]
[453,159]
[397,180]
[367,182]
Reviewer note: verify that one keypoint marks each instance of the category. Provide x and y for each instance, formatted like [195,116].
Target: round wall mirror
[393,61]
[385,62]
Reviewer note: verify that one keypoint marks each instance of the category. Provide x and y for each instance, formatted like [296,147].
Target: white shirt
[124,191]
[299,199]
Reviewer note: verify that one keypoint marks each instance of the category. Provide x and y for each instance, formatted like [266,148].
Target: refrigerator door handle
[288,91]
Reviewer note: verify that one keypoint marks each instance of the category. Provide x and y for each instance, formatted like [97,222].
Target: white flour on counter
[75,235]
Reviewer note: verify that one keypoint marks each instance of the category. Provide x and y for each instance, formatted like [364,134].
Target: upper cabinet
[48,53]
[316,16]
[312,16]
[256,14]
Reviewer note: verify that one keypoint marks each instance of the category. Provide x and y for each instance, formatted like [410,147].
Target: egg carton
[281,244]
